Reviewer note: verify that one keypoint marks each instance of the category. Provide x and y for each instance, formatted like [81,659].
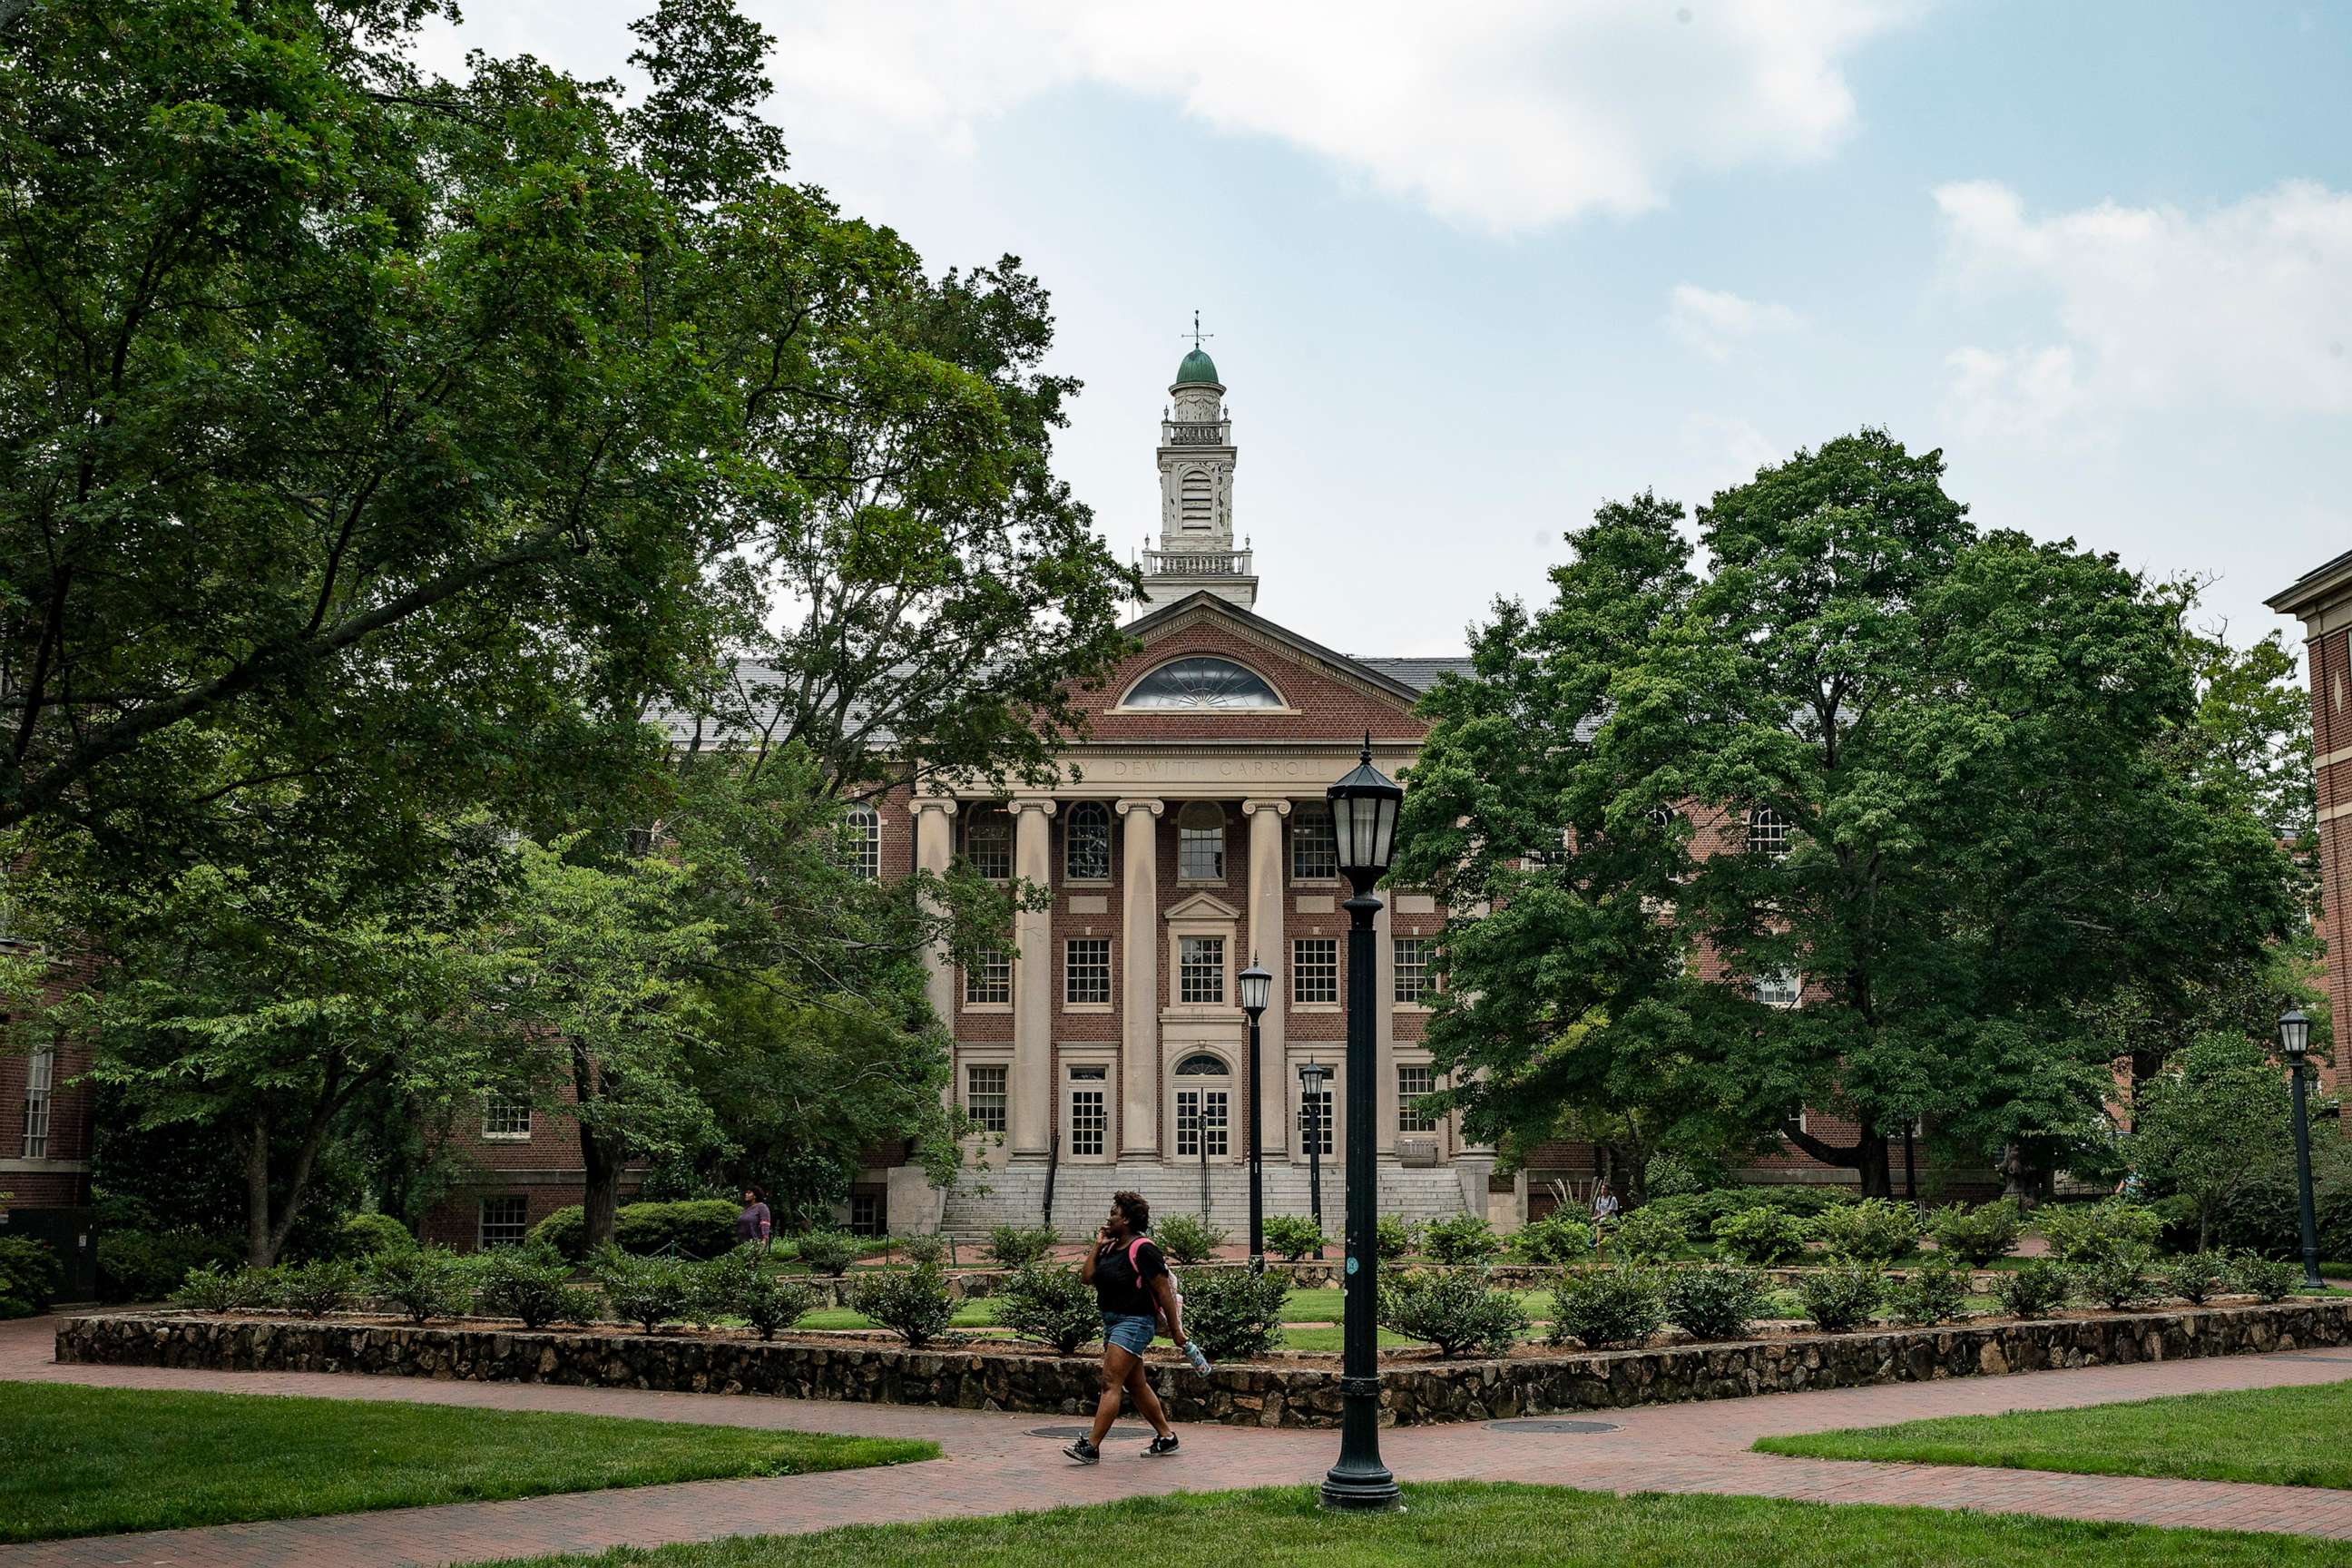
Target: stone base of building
[1074,1198]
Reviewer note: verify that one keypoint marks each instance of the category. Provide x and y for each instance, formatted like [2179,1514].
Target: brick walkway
[990,1464]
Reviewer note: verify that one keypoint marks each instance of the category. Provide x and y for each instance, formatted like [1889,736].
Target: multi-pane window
[1314,851]
[1201,969]
[1768,833]
[1315,1120]
[1203,1112]
[1089,1115]
[1200,843]
[988,845]
[1413,981]
[1781,990]
[1085,970]
[864,1214]
[862,828]
[1315,969]
[1086,843]
[506,1116]
[983,1097]
[505,1219]
[40,1076]
[988,978]
[1412,1082]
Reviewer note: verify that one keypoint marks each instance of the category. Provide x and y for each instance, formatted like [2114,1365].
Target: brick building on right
[2322,600]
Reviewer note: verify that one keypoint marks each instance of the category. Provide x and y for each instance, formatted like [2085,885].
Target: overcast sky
[1474,268]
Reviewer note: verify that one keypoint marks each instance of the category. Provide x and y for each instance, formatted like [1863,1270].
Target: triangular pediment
[1203,906]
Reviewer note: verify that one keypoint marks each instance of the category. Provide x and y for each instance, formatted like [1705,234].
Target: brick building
[2322,600]
[46,1129]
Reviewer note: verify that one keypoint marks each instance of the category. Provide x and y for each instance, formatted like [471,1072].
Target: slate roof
[1421,674]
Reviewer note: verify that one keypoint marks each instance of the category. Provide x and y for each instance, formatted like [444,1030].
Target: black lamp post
[1311,1079]
[2294,1038]
[1257,990]
[1363,820]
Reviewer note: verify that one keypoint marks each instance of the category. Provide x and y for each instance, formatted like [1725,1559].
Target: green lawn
[2287,1436]
[93,1461]
[1494,1526]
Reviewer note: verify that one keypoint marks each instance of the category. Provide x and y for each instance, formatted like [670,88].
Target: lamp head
[1256,986]
[1363,820]
[2294,1034]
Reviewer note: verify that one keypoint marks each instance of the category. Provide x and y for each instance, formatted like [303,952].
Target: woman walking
[1133,1291]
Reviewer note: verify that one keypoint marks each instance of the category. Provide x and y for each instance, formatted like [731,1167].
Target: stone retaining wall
[989,1378]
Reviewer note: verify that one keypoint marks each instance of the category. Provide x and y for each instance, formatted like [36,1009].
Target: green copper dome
[1197,366]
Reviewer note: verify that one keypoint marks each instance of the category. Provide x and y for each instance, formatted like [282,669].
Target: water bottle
[1198,1357]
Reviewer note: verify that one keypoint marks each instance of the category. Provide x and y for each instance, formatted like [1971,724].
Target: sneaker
[1084,1452]
[1159,1445]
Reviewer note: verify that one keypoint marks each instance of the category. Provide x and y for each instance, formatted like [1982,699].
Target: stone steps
[1081,1194]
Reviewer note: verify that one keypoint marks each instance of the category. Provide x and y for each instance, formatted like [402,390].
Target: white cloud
[1715,322]
[2248,306]
[1719,451]
[1507,117]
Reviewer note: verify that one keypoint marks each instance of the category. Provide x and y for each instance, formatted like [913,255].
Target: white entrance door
[1205,1114]
[1088,1117]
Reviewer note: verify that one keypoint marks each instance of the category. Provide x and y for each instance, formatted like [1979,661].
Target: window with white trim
[505,1220]
[1201,842]
[40,1078]
[1086,843]
[1314,847]
[1315,1120]
[983,1096]
[1086,971]
[1412,1082]
[1413,979]
[506,1117]
[1313,969]
[1200,969]
[863,831]
[988,979]
[988,844]
[1785,989]
[1768,833]
[1794,1124]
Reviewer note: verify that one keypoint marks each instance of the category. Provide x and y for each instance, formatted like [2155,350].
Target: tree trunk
[1870,1159]
[600,1193]
[258,1250]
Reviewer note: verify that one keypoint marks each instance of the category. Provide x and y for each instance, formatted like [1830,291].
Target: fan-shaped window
[1200,843]
[1201,682]
[1086,843]
[1201,1064]
[864,833]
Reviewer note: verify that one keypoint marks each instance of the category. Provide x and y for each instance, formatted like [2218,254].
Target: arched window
[1768,833]
[1200,843]
[1201,1064]
[988,844]
[864,831]
[1665,817]
[1314,852]
[1201,682]
[1086,843]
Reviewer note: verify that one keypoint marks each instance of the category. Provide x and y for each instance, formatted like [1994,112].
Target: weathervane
[1196,335]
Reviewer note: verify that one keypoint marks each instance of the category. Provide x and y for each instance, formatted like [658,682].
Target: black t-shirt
[1120,1288]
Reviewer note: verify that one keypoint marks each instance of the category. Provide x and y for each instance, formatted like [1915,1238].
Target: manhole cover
[1115,1435]
[1535,1426]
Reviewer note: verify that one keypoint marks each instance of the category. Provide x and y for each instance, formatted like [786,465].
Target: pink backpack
[1133,1248]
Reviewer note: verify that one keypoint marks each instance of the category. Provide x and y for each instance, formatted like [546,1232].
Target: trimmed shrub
[911,1303]
[531,1283]
[771,1303]
[214,1289]
[1876,1231]
[1760,1235]
[148,1266]
[647,1292]
[714,1290]
[699,1228]
[2198,1278]
[929,1248]
[1460,1239]
[1233,1312]
[1604,1309]
[1935,1291]
[1049,1302]
[315,1290]
[1977,1236]
[1187,1238]
[1716,1302]
[1393,1239]
[1648,1235]
[2036,1289]
[2267,1279]
[1843,1296]
[1014,1245]
[2118,1280]
[421,1283]
[1453,1308]
[1663,1176]
[2083,1234]
[1294,1236]
[362,1236]
[828,1252]
[29,1276]
[1557,1240]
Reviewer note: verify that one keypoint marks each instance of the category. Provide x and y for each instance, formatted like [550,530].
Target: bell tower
[1196,492]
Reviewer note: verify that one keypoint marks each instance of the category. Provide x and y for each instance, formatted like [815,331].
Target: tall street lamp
[1312,1076]
[1363,820]
[2294,1038]
[1257,989]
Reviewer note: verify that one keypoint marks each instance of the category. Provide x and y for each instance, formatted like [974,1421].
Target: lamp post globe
[1311,1079]
[1257,990]
[1363,824]
[2294,1040]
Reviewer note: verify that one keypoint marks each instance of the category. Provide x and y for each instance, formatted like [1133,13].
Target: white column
[1138,996]
[1270,948]
[1384,1026]
[934,847]
[1029,1084]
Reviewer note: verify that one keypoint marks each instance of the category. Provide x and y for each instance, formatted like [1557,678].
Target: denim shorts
[1128,1333]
